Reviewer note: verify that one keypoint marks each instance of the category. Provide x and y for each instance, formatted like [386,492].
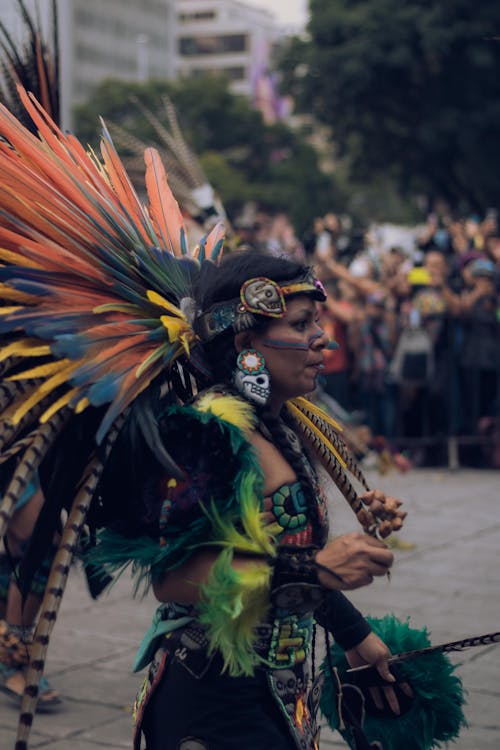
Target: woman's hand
[372,650]
[353,559]
[381,510]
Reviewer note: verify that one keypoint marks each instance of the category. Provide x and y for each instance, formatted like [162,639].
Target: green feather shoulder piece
[220,507]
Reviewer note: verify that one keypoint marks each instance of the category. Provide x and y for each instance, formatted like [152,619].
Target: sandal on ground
[48,698]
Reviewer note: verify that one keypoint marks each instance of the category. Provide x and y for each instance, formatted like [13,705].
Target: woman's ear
[243,340]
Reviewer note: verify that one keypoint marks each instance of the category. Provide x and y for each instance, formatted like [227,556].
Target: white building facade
[130,40]
[224,37]
[139,40]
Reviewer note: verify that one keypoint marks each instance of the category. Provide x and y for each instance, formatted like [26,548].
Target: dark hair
[223,282]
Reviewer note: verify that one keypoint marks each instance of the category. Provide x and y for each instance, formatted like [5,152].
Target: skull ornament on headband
[258,296]
[263,296]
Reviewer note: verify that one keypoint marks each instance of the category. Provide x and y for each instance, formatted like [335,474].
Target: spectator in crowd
[374,294]
[338,315]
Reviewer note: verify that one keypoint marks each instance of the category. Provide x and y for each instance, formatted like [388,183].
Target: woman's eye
[300,325]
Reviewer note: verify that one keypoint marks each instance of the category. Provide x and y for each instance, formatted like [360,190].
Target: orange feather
[164,209]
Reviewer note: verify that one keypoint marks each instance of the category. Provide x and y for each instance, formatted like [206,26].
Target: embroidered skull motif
[285,683]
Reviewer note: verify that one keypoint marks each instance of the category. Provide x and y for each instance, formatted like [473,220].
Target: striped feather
[329,428]
[9,430]
[28,464]
[329,461]
[56,585]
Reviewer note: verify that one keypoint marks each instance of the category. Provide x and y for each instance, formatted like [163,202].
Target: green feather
[435,715]
[233,603]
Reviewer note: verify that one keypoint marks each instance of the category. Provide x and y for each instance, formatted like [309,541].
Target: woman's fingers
[356,558]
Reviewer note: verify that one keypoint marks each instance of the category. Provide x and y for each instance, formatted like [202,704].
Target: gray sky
[286,11]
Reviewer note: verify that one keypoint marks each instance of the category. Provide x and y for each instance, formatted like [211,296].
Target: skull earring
[251,378]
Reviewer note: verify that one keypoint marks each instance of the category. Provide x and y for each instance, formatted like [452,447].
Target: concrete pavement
[448,583]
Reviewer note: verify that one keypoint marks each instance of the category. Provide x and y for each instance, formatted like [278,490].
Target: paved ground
[448,582]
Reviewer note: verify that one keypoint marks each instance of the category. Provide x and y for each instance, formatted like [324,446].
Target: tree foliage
[410,89]
[244,158]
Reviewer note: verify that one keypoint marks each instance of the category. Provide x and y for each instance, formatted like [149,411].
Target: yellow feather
[6,292]
[229,408]
[65,399]
[302,418]
[59,377]
[116,307]
[41,371]
[8,310]
[44,389]
[178,330]
[306,404]
[17,259]
[157,299]
[24,348]
[82,405]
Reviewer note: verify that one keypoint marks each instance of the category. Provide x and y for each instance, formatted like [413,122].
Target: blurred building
[225,37]
[124,39]
[99,39]
[138,40]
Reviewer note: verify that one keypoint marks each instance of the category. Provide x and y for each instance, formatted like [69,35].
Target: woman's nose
[319,340]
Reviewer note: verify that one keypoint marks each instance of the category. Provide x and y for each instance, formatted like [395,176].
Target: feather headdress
[92,283]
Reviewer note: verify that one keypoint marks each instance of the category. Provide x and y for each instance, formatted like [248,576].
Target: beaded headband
[258,296]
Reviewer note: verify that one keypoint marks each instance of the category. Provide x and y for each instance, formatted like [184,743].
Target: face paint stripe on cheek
[284,344]
[287,344]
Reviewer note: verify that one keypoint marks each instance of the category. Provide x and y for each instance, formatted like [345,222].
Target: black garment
[221,713]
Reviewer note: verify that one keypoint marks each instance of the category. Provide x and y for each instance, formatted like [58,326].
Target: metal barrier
[458,413]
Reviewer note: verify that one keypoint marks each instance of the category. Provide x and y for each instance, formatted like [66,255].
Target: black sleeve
[346,623]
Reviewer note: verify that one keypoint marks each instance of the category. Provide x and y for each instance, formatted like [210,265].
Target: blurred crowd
[417,325]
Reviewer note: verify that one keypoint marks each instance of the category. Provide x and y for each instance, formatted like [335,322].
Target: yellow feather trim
[157,299]
[6,292]
[302,402]
[117,307]
[44,389]
[178,330]
[17,259]
[24,348]
[41,371]
[11,309]
[82,405]
[59,377]
[301,417]
[63,401]
[228,408]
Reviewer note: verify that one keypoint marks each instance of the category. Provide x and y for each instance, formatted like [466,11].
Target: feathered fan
[187,179]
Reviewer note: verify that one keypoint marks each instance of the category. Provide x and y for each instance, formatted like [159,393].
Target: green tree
[244,158]
[410,89]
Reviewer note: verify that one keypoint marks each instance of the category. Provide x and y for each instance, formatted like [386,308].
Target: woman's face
[293,349]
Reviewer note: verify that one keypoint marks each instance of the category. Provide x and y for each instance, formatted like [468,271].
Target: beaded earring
[251,378]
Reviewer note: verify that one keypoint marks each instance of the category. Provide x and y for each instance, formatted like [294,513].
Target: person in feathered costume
[160,395]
